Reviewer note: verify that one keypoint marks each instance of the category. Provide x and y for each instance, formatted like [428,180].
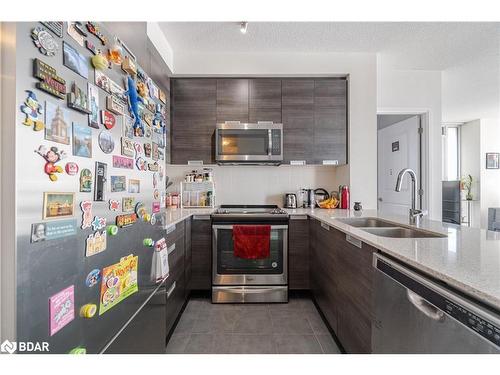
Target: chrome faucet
[414,214]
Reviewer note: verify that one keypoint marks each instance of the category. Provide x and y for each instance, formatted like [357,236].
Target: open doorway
[399,140]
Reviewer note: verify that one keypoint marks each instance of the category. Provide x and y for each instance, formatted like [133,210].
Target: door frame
[425,120]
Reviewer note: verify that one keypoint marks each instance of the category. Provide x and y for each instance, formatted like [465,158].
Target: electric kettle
[290,200]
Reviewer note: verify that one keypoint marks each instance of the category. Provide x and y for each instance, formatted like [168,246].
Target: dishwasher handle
[425,307]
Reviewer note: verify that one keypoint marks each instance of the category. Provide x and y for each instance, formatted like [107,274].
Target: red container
[344,198]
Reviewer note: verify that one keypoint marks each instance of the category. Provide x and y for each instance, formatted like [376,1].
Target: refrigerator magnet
[95,243]
[33,111]
[88,311]
[86,207]
[114,205]
[85,181]
[51,156]
[106,142]
[71,168]
[93,277]
[141,164]
[61,309]
[98,223]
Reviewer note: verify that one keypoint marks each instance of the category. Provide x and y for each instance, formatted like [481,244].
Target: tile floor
[295,328]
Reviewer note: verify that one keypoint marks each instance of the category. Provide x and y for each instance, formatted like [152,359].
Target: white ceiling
[431,46]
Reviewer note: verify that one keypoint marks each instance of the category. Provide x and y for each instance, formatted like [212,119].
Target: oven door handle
[231,226]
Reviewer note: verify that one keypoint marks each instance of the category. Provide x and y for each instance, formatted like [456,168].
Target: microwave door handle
[270,143]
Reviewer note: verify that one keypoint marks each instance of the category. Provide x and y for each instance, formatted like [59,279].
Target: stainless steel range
[240,280]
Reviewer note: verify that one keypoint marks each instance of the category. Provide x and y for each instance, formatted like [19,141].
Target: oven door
[231,270]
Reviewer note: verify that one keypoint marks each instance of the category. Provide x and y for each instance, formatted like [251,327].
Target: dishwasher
[413,314]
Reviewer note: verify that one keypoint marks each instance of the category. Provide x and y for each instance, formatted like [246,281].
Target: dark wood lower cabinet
[342,284]
[201,253]
[298,252]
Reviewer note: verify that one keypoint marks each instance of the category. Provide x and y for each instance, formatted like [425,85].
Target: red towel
[251,241]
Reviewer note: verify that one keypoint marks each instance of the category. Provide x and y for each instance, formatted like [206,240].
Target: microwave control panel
[276,141]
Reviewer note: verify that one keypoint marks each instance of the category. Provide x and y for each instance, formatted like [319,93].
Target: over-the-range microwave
[250,144]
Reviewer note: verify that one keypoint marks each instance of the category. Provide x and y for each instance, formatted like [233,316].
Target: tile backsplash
[261,184]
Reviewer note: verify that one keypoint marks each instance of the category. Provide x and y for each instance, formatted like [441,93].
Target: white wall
[361,173]
[259,185]
[470,162]
[157,37]
[490,178]
[415,91]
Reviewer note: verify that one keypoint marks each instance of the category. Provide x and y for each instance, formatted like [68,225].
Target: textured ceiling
[433,46]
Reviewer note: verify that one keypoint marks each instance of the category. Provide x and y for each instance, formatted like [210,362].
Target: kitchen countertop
[468,259]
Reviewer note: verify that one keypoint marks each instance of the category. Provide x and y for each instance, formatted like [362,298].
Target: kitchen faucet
[414,214]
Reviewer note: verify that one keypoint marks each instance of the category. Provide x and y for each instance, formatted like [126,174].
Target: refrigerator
[80,298]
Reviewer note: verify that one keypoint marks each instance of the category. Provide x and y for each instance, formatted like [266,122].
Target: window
[451,153]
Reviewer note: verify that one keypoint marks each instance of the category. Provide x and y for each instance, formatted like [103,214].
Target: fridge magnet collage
[133,104]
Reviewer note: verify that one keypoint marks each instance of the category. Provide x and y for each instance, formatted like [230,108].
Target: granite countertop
[468,259]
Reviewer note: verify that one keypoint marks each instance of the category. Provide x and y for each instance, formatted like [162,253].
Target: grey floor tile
[252,344]
[316,322]
[253,322]
[185,324]
[222,343]
[217,323]
[200,344]
[291,325]
[328,344]
[297,344]
[177,344]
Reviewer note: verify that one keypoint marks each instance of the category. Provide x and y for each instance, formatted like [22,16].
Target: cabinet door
[298,119]
[201,253]
[330,120]
[323,271]
[194,116]
[232,100]
[298,252]
[264,100]
[355,283]
[187,255]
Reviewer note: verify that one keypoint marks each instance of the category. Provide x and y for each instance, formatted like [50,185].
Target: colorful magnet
[153,167]
[33,111]
[114,205]
[102,81]
[86,207]
[142,89]
[128,65]
[141,164]
[138,149]
[148,242]
[115,105]
[78,350]
[50,81]
[93,96]
[126,220]
[98,223]
[140,209]
[88,311]
[128,204]
[108,119]
[92,48]
[155,180]
[55,26]
[153,219]
[118,92]
[71,168]
[106,142]
[101,176]
[61,309]
[51,156]
[95,243]
[78,99]
[52,230]
[112,230]
[155,207]
[99,61]
[74,60]
[147,149]
[44,41]
[115,53]
[93,277]
[94,29]
[154,152]
[127,147]
[122,162]
[85,181]
[118,184]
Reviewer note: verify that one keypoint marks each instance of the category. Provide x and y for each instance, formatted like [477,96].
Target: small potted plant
[466,184]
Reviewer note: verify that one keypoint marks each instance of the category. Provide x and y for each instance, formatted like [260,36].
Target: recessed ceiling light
[243,27]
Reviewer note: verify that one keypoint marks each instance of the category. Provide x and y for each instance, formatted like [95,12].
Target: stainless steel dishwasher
[414,314]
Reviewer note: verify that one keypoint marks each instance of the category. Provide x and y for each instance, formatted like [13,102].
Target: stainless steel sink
[385,228]
[401,232]
[367,222]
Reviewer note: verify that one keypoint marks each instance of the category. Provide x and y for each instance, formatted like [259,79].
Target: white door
[398,148]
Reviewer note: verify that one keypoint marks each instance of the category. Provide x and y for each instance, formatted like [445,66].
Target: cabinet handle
[170,229]
[201,217]
[353,241]
[171,249]
[297,162]
[171,290]
[325,226]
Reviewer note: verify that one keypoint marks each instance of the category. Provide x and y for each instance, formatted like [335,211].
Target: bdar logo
[8,347]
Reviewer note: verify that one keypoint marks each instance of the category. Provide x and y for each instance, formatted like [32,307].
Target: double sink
[385,228]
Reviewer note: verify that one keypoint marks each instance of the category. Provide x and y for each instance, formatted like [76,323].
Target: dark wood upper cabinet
[330,121]
[297,103]
[232,100]
[264,102]
[194,115]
